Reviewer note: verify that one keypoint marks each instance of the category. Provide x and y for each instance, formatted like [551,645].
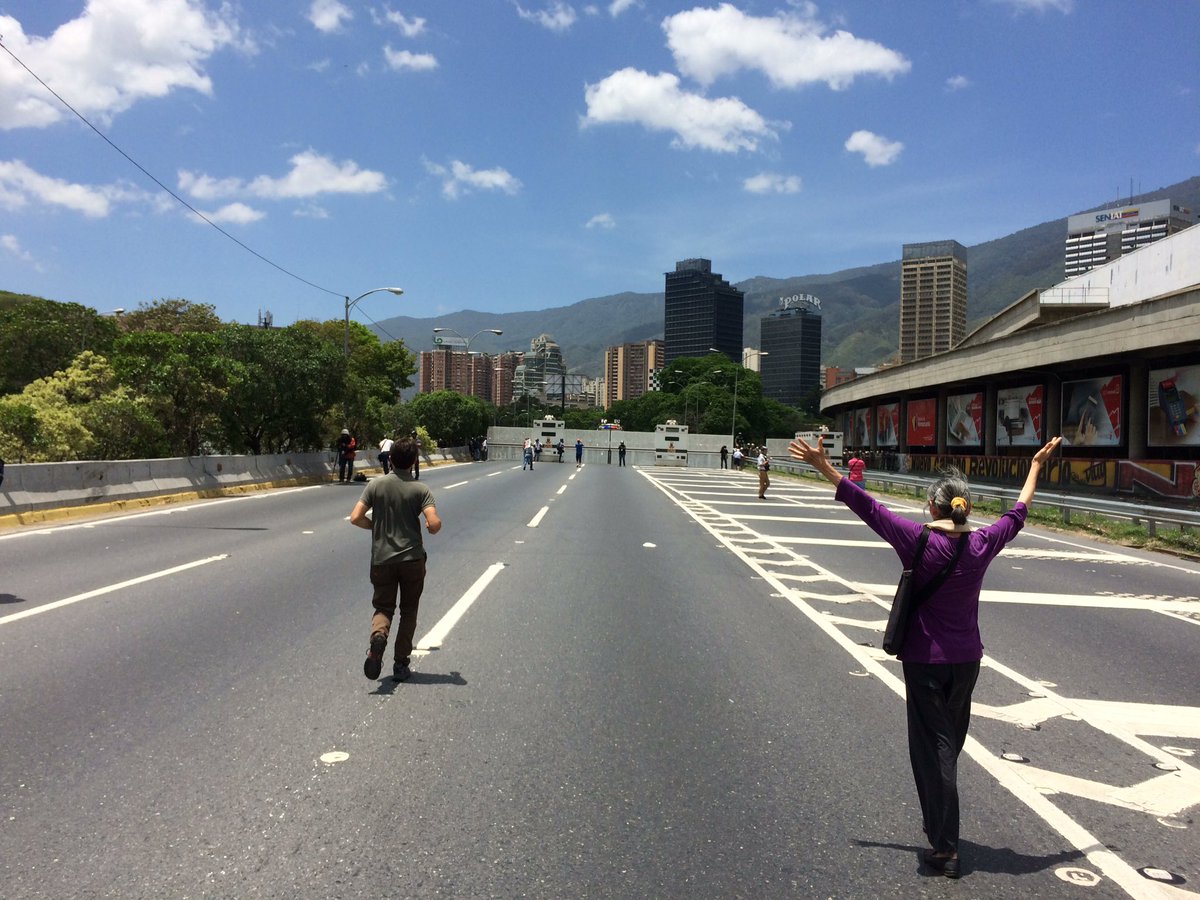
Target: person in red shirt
[857,469]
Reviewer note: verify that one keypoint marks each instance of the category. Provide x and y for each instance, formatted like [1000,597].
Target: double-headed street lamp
[736,371]
[467,350]
[349,303]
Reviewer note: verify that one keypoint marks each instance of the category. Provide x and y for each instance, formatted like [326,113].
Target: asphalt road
[632,683]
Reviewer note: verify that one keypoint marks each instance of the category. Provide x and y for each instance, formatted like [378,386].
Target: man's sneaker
[401,672]
[374,661]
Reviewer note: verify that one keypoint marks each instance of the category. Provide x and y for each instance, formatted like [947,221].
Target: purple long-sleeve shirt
[945,628]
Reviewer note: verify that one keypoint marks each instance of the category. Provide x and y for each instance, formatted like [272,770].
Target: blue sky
[501,155]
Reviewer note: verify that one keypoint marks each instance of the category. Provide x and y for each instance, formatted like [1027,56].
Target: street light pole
[736,372]
[349,303]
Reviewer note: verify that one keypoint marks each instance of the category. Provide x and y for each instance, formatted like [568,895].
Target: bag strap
[931,588]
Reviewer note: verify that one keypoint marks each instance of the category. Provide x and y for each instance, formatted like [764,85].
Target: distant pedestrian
[385,454]
[527,455]
[537,449]
[724,457]
[560,448]
[579,452]
[764,468]
[621,454]
[397,556]
[345,446]
[738,458]
[483,449]
[857,471]
[416,466]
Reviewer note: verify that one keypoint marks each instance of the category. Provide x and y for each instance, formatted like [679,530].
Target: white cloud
[410,28]
[602,220]
[725,125]
[114,54]
[957,82]
[790,49]
[772,183]
[402,59]
[876,150]
[235,214]
[327,15]
[311,174]
[558,16]
[19,184]
[311,211]
[460,178]
[1063,6]
[619,6]
[13,246]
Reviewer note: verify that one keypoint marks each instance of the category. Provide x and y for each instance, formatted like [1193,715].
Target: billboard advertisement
[921,423]
[1172,419]
[1092,412]
[964,420]
[1019,416]
[887,425]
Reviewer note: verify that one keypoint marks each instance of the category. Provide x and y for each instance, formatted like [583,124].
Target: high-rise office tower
[628,369]
[1096,238]
[542,373]
[933,298]
[790,338]
[702,310]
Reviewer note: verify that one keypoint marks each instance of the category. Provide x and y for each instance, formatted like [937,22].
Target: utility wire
[143,170]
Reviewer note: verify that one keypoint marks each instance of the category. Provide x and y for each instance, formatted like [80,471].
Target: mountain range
[860,307]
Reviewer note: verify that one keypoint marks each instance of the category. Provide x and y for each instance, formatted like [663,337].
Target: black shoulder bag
[908,598]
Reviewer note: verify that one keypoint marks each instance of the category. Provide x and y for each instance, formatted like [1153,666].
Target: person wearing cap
[346,446]
[942,647]
[764,472]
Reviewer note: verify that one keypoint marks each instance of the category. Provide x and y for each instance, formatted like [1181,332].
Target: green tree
[450,417]
[40,337]
[184,379]
[172,316]
[279,385]
[20,430]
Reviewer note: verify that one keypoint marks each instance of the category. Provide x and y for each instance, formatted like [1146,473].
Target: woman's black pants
[939,713]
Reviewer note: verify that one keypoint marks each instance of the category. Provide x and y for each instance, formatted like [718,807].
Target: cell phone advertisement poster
[964,420]
[1092,412]
[1019,416]
[887,421]
[1172,419]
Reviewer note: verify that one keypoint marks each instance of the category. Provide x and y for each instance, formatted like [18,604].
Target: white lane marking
[1091,601]
[433,640]
[141,579]
[536,520]
[334,756]
[492,474]
[650,545]
[561,489]
[1111,865]
[572,476]
[456,484]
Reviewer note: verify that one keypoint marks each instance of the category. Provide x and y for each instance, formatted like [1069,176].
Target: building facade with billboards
[1109,359]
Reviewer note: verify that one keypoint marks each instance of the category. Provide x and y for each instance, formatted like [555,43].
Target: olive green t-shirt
[396,502]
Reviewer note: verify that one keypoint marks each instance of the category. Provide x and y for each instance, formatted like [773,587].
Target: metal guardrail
[1066,504]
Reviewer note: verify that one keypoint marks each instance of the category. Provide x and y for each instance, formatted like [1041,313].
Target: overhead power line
[149,175]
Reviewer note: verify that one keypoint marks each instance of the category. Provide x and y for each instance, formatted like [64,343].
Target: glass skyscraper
[703,310]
